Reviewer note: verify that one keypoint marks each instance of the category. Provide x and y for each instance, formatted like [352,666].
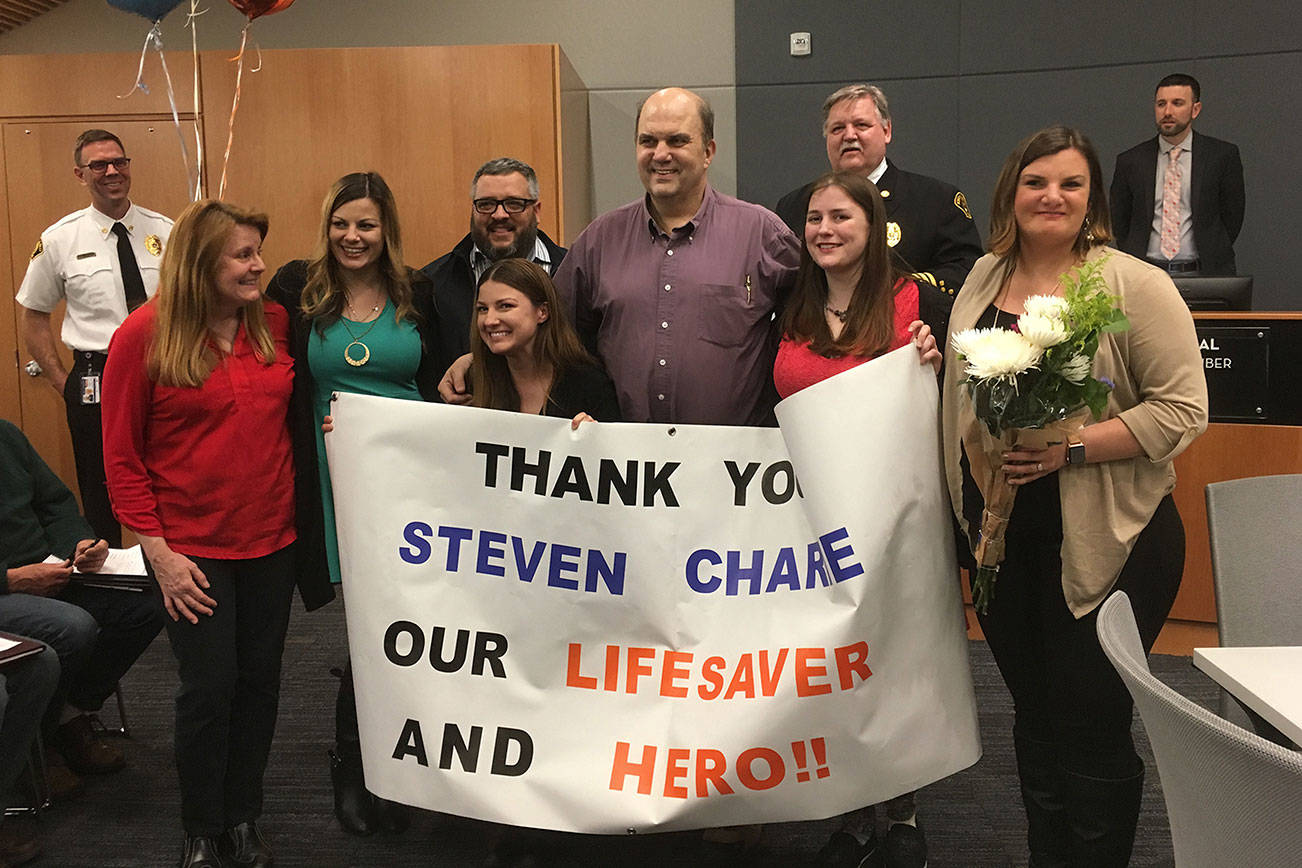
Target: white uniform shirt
[77,259]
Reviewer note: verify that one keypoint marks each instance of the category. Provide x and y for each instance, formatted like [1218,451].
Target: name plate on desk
[1236,360]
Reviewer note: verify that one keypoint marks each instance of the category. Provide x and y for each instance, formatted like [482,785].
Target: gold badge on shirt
[960,202]
[40,248]
[886,194]
[154,245]
[892,233]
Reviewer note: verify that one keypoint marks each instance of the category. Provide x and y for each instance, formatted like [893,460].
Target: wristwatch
[1075,450]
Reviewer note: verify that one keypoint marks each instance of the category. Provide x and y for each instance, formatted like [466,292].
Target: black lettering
[740,480]
[625,486]
[520,468]
[489,648]
[467,751]
[411,743]
[436,650]
[573,479]
[506,736]
[396,629]
[658,483]
[493,453]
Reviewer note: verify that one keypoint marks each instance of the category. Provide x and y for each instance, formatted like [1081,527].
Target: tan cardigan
[1160,395]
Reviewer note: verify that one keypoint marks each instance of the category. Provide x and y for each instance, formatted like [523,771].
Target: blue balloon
[150,9]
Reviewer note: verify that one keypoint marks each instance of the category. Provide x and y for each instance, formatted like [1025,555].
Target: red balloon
[258,8]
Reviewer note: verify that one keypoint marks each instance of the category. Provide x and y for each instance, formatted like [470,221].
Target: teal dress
[389,372]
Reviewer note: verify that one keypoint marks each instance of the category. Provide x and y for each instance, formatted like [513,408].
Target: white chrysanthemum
[1077,368]
[1053,306]
[1043,331]
[995,353]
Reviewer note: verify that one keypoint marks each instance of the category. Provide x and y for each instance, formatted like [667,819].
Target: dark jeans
[1065,692]
[85,426]
[25,689]
[230,689]
[128,622]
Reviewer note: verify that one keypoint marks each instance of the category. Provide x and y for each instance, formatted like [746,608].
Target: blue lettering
[417,534]
[753,574]
[835,556]
[455,537]
[784,571]
[564,559]
[600,570]
[490,546]
[694,581]
[525,567]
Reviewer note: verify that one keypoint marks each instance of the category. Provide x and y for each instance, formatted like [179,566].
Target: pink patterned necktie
[1171,206]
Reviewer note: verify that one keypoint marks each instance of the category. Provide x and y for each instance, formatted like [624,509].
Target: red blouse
[209,469]
[797,367]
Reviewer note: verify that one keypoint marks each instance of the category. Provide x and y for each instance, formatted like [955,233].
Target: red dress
[797,367]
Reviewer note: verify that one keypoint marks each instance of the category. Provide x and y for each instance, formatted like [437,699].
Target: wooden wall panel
[70,85]
[423,117]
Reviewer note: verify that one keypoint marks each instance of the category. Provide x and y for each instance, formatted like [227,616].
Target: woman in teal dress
[361,322]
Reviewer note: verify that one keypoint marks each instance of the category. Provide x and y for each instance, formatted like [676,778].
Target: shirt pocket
[89,284]
[726,314]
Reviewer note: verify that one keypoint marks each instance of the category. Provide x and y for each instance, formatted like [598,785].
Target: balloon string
[235,104]
[192,23]
[191,179]
[154,36]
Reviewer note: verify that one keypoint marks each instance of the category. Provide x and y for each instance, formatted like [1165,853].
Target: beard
[521,248]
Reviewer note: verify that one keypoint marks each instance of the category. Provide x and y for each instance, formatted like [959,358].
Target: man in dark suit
[929,226]
[1177,199]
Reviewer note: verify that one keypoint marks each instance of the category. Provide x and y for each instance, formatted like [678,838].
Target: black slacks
[1065,691]
[85,426]
[230,689]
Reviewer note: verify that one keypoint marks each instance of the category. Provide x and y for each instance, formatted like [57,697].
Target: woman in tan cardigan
[1091,515]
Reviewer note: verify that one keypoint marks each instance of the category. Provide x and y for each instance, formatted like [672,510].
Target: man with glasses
[503,224]
[103,260]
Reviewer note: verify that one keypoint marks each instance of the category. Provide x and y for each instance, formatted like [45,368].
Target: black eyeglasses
[99,167]
[512,206]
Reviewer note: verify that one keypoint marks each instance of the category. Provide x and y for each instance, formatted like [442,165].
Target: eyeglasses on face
[99,167]
[512,206]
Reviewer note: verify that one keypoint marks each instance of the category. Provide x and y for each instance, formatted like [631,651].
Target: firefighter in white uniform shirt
[103,272]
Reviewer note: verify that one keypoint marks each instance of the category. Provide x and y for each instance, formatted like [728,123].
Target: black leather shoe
[354,805]
[200,852]
[246,848]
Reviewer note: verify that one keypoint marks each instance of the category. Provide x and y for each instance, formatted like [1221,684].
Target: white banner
[653,627]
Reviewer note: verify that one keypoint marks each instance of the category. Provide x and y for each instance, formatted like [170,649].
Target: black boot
[1102,816]
[393,817]
[1047,834]
[354,805]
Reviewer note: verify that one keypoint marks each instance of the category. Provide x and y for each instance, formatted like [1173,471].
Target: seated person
[39,517]
[26,686]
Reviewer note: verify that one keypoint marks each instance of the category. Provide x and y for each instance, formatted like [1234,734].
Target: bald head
[682,97]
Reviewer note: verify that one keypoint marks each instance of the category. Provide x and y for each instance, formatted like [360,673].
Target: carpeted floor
[971,819]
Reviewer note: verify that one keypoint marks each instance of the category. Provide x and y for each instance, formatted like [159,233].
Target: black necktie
[132,283]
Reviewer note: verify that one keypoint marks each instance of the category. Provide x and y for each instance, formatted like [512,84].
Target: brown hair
[556,345]
[870,317]
[1097,226]
[323,294]
[181,354]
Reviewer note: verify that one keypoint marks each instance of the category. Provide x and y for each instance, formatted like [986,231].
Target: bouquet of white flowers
[1030,385]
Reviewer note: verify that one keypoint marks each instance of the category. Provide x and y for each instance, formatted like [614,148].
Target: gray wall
[616,47]
[967,80]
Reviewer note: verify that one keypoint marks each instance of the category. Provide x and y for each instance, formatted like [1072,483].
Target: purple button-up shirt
[683,321]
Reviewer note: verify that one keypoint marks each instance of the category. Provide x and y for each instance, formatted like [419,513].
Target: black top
[584,389]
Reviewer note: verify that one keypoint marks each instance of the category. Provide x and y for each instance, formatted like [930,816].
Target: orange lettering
[621,768]
[572,676]
[675,769]
[710,766]
[675,663]
[805,670]
[852,659]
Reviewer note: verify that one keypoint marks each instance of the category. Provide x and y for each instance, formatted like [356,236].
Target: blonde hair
[323,294]
[181,353]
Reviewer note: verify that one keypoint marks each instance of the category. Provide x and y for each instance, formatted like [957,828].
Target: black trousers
[127,623]
[1065,692]
[230,689]
[85,426]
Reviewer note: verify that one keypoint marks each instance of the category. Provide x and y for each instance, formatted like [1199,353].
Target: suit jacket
[1216,199]
[937,241]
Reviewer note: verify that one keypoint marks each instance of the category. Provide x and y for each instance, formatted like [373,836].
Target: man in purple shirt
[676,291]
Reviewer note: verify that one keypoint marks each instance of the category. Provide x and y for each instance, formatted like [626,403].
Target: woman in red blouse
[197,452]
[851,304]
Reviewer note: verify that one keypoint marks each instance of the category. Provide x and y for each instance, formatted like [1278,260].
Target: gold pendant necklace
[357,341]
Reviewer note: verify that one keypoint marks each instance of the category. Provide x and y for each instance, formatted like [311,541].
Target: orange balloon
[258,8]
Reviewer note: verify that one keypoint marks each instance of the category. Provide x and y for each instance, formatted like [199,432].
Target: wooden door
[39,189]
